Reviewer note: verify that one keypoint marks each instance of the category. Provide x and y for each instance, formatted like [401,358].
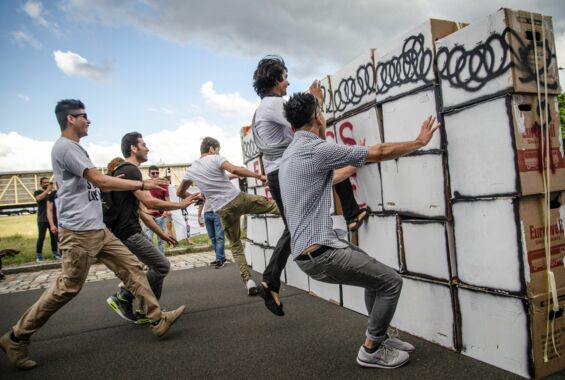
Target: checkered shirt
[305,177]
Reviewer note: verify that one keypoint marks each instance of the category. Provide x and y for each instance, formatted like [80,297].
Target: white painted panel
[425,248]
[329,292]
[258,227]
[258,258]
[486,244]
[403,117]
[414,185]
[378,237]
[255,166]
[294,275]
[351,130]
[457,84]
[367,187]
[425,310]
[248,147]
[353,298]
[275,228]
[406,63]
[494,330]
[481,150]
[354,85]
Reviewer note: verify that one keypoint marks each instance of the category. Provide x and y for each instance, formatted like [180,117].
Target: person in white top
[209,173]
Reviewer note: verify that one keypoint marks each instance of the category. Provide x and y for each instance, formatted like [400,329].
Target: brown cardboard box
[530,153]
[532,232]
[539,314]
[521,39]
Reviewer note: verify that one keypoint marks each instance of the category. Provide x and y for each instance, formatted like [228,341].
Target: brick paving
[20,282]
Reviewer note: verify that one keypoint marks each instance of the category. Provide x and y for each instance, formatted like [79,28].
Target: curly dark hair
[269,71]
[300,109]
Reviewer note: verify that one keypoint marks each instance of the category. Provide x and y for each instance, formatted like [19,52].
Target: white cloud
[228,104]
[72,64]
[21,38]
[181,145]
[314,36]
[24,98]
[35,10]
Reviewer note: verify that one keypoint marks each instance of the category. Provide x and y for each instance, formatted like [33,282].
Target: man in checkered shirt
[307,170]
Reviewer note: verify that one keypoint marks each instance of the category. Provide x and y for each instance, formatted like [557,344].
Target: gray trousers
[352,266]
[149,255]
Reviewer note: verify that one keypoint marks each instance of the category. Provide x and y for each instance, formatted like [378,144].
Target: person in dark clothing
[42,222]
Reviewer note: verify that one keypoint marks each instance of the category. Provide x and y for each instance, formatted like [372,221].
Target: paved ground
[223,334]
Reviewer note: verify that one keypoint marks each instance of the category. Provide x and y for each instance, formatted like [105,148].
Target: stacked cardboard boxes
[498,81]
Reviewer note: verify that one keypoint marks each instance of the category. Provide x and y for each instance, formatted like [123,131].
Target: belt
[312,255]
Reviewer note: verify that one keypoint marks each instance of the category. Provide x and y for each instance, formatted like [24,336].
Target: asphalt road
[223,334]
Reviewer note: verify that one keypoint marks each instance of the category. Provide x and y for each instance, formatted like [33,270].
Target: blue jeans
[216,233]
[160,243]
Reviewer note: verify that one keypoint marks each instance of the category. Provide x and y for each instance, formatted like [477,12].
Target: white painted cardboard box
[494,330]
[353,298]
[407,63]
[353,86]
[425,248]
[367,186]
[248,148]
[414,185]
[494,148]
[425,310]
[257,229]
[247,252]
[378,237]
[275,228]
[258,258]
[328,104]
[295,277]
[255,166]
[403,118]
[486,58]
[326,291]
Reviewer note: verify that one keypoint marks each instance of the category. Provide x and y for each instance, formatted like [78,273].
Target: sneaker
[213,262]
[219,264]
[56,256]
[393,341]
[39,259]
[141,318]
[167,320]
[18,353]
[251,287]
[384,357]
[122,307]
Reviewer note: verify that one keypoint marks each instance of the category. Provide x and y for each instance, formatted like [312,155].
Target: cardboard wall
[378,237]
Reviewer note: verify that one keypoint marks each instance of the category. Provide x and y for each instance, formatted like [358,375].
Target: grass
[20,232]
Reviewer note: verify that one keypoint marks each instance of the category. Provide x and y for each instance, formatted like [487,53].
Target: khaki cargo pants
[79,249]
[230,216]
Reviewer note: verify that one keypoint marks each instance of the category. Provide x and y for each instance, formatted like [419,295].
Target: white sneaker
[251,287]
[393,341]
[384,357]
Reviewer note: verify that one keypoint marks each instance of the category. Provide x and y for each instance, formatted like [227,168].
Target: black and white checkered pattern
[305,176]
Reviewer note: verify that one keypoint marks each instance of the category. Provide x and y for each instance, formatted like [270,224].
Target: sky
[179,70]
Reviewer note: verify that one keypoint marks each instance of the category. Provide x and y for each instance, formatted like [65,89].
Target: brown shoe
[18,353]
[167,320]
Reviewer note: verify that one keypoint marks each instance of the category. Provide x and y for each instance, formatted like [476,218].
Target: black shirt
[51,198]
[41,207]
[127,222]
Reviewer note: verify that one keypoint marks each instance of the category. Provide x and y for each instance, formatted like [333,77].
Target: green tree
[561,100]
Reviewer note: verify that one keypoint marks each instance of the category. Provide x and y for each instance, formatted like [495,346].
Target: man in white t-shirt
[209,173]
[83,237]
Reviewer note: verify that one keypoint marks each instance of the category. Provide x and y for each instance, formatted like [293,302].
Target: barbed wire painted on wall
[351,90]
[249,149]
[472,69]
[413,65]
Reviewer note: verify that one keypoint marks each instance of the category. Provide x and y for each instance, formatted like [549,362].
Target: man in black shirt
[122,218]
[42,222]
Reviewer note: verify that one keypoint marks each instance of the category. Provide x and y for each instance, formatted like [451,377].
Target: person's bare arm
[342,174]
[107,182]
[241,172]
[153,203]
[150,222]
[44,194]
[50,217]
[390,151]
[182,189]
[200,219]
